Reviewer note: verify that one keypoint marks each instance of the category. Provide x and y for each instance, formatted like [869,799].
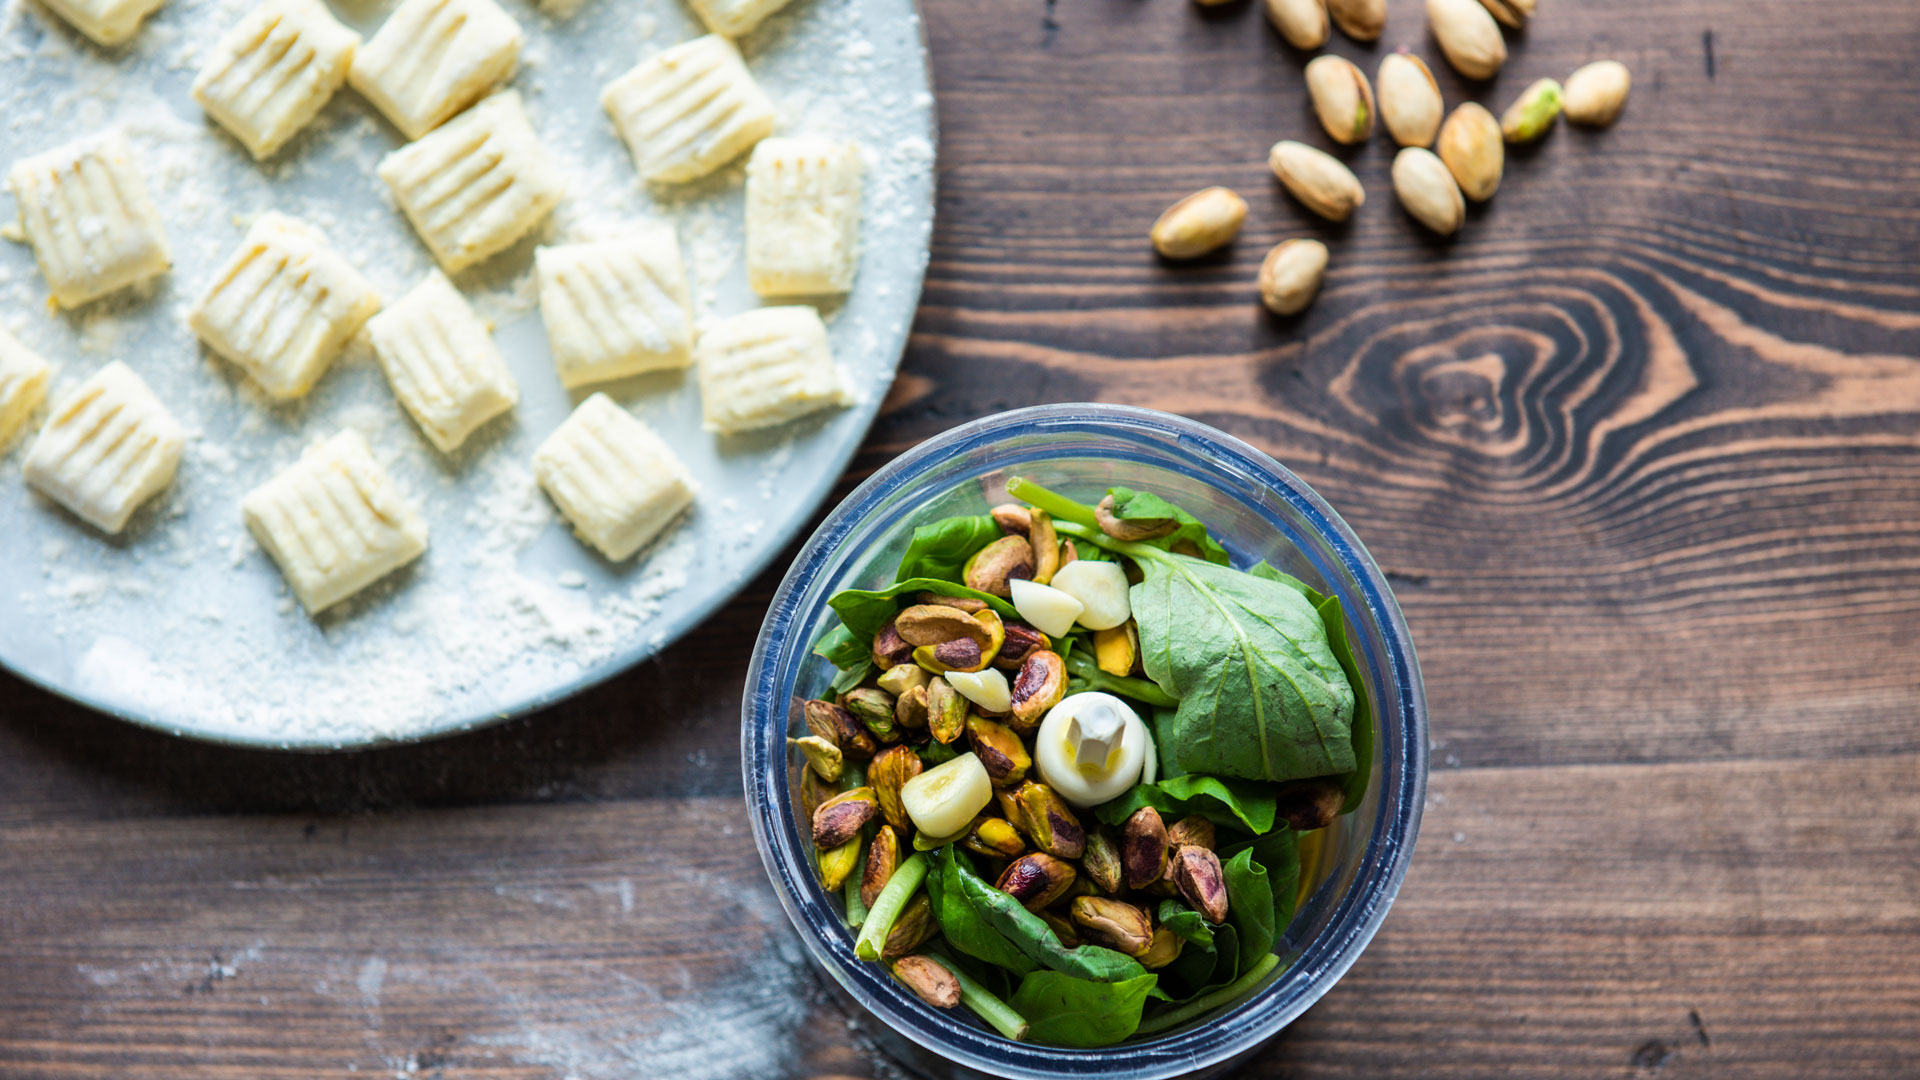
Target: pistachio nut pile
[1440,166]
[1062,771]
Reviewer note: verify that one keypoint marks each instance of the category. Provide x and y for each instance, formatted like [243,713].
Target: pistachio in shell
[1510,13]
[1132,529]
[1291,274]
[1102,863]
[1427,190]
[1473,150]
[1013,810]
[890,771]
[994,566]
[1036,880]
[1595,94]
[1000,751]
[1361,20]
[993,837]
[1114,923]
[822,757]
[1039,686]
[889,648]
[1532,114]
[841,818]
[1045,543]
[1013,519]
[1342,98]
[929,982]
[946,711]
[1197,874]
[1143,847]
[901,678]
[1468,37]
[1311,804]
[1164,949]
[1321,182]
[1020,642]
[838,726]
[883,858]
[935,624]
[1410,101]
[1049,822]
[836,864]
[965,603]
[1302,22]
[912,928]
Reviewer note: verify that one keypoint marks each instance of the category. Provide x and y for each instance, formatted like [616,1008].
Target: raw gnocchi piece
[108,447]
[433,58]
[283,306]
[23,386]
[441,362]
[333,522]
[766,367]
[107,22]
[735,18]
[85,210]
[689,110]
[616,307]
[477,184]
[274,71]
[617,482]
[803,216]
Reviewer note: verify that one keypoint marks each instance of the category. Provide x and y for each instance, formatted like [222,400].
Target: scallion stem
[1207,1002]
[856,907]
[887,906]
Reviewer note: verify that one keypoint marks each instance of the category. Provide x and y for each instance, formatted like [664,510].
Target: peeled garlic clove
[1051,611]
[987,689]
[1101,588]
[945,799]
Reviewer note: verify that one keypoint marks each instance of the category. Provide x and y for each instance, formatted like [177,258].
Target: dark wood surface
[1641,449]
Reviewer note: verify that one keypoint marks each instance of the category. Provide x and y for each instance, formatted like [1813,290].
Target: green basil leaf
[1061,1010]
[1084,674]
[1278,853]
[852,677]
[1032,936]
[1250,907]
[842,649]
[1333,617]
[965,929]
[940,549]
[1186,922]
[1262,696]
[1235,804]
[1129,504]
[865,611]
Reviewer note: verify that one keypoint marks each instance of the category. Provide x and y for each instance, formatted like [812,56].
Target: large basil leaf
[962,923]
[1278,853]
[1061,1010]
[842,649]
[1236,804]
[1032,936]
[1250,907]
[1186,922]
[940,549]
[1129,504]
[1262,696]
[1333,617]
[865,611]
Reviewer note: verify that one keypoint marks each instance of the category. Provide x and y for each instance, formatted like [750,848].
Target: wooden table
[1640,448]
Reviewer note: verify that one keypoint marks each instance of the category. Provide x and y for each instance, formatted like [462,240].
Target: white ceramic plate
[182,623]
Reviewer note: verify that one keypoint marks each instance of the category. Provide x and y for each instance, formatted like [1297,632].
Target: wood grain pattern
[1639,448]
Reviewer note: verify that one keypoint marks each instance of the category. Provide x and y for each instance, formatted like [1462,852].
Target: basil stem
[887,906]
[981,1000]
[1207,1002]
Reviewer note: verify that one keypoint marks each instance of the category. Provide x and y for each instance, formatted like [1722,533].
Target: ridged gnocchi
[274,71]
[617,307]
[617,482]
[433,58]
[765,367]
[441,362]
[108,447]
[689,110]
[803,216]
[84,207]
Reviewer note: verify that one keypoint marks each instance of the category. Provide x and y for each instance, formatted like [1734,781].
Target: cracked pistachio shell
[822,757]
[1595,94]
[1428,191]
[1532,114]
[1321,182]
[1410,101]
[1342,98]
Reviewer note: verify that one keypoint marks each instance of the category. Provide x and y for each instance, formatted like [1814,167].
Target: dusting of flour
[184,621]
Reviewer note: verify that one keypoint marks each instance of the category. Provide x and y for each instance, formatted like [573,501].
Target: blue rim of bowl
[1229,1032]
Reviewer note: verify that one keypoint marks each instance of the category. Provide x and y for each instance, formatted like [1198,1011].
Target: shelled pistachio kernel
[1532,114]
